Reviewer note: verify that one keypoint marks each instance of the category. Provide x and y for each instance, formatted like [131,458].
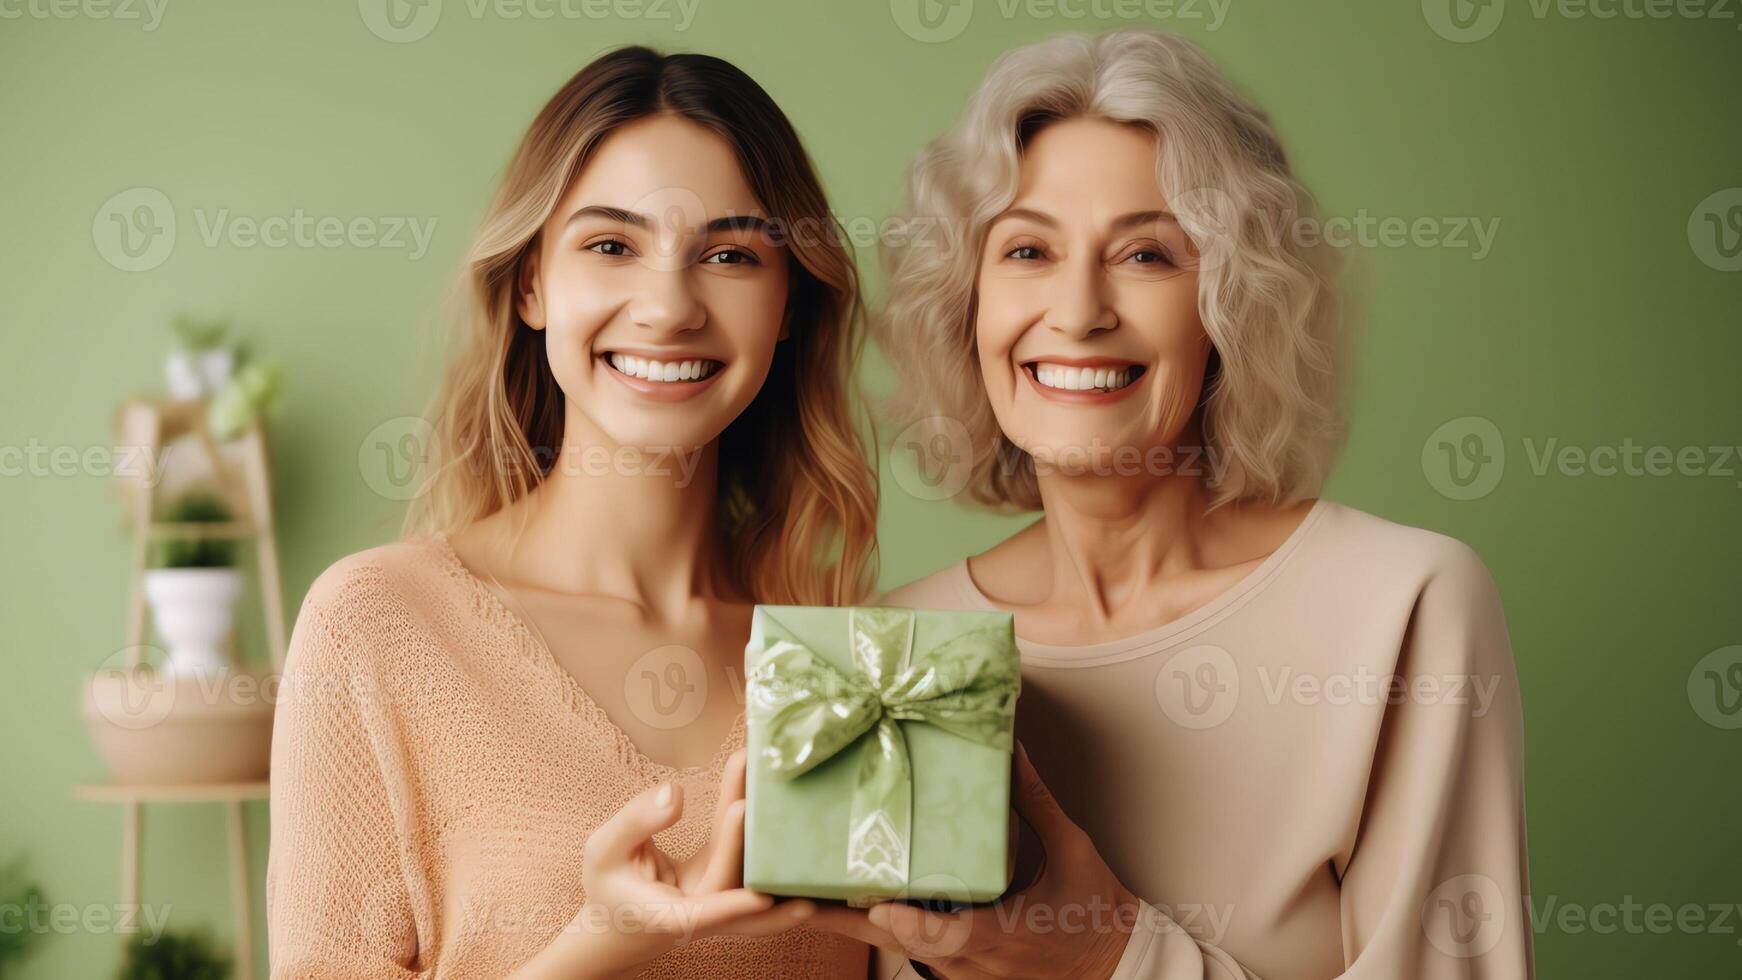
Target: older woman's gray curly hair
[1269,299]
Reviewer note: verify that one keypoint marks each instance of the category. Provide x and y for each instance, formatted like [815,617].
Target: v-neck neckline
[493,604]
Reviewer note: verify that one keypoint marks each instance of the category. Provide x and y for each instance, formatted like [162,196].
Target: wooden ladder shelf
[241,473]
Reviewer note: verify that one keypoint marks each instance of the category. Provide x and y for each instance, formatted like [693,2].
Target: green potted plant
[19,893]
[201,716]
[250,394]
[174,956]
[201,362]
[193,586]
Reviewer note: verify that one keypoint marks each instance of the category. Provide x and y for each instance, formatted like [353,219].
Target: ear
[786,314]
[529,289]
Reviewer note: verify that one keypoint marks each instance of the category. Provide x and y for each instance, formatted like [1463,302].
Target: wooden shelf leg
[259,484]
[242,908]
[132,859]
[272,596]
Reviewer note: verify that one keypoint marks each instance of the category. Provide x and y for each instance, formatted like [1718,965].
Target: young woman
[1282,737]
[510,744]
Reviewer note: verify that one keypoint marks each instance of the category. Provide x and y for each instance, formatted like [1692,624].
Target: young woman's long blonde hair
[797,500]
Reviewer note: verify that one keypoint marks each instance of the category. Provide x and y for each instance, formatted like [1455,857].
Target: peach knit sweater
[435,774]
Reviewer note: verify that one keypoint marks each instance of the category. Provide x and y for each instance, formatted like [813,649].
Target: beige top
[435,774]
[1253,772]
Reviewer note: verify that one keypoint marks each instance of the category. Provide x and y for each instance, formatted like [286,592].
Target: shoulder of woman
[388,571]
[364,599]
[941,589]
[1455,619]
[1404,552]
[348,653]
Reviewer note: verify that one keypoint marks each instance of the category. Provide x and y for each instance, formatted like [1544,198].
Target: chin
[1089,453]
[658,439]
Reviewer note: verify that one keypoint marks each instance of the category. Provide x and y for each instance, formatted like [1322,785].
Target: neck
[623,522]
[1112,538]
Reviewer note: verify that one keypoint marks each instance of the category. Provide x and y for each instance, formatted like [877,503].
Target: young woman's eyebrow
[611,214]
[737,222]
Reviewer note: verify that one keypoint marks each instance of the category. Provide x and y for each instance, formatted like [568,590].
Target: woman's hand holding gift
[641,903]
[1072,920]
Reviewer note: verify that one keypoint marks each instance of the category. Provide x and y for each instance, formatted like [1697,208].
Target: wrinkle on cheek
[1178,387]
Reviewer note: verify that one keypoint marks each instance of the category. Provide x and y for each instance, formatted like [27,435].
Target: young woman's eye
[731,256]
[610,246]
[1025,253]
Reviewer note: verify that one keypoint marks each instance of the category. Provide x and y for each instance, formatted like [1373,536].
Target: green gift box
[879,743]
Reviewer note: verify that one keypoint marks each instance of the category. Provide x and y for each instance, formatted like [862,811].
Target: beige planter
[153,728]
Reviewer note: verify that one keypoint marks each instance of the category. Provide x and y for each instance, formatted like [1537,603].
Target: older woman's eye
[1150,256]
[1024,253]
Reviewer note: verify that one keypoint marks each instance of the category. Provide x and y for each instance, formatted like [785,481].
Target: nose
[1080,305]
[666,303]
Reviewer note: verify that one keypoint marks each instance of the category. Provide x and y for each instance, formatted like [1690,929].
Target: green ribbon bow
[810,710]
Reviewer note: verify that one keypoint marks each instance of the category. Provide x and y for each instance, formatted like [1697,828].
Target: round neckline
[1167,634]
[491,604]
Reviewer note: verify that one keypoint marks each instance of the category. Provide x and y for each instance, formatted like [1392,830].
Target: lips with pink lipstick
[1083,380]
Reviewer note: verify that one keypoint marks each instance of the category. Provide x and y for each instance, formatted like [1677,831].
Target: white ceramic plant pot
[194,610]
[216,366]
[181,374]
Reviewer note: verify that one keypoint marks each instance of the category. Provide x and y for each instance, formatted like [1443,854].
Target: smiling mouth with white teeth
[1065,377]
[667,372]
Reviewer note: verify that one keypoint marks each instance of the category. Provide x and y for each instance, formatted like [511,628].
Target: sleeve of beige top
[336,900]
[1435,883]
[1160,949]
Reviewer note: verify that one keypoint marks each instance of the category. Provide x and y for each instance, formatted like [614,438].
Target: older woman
[1271,735]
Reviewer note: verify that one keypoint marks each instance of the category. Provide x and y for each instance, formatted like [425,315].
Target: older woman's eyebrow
[1132,220]
[736,222]
[1138,218]
[1027,214]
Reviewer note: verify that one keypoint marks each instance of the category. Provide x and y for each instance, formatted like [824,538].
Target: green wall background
[1593,319]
